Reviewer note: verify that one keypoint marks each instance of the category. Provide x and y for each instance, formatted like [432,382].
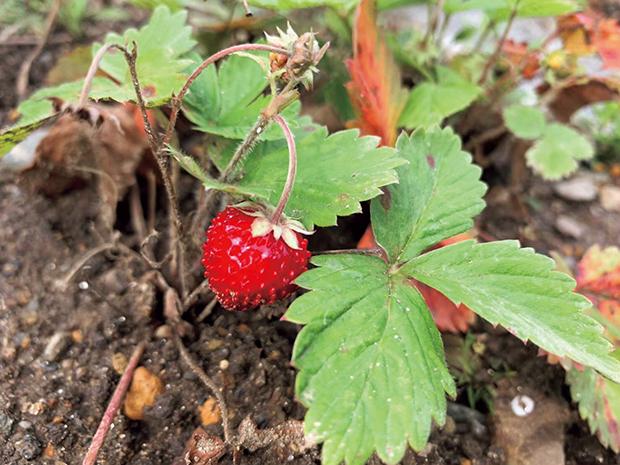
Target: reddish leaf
[598,278]
[520,58]
[601,32]
[375,87]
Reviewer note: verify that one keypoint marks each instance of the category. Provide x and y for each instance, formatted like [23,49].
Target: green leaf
[430,102]
[334,173]
[72,13]
[556,154]
[160,68]
[160,65]
[599,404]
[501,9]
[345,5]
[521,291]
[228,101]
[437,196]
[296,4]
[372,369]
[525,122]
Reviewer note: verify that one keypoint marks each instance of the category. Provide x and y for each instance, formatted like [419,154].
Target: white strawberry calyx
[284,228]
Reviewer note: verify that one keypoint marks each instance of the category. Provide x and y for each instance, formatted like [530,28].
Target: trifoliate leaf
[372,369]
[228,101]
[525,122]
[334,173]
[161,68]
[556,154]
[430,102]
[437,196]
[599,404]
[521,291]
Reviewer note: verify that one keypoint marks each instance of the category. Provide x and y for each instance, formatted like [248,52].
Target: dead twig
[144,252]
[207,310]
[21,85]
[177,248]
[193,296]
[63,283]
[113,406]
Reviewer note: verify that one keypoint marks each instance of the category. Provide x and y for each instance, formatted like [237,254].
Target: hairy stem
[292,168]
[178,100]
[90,75]
[377,252]
[115,402]
[178,249]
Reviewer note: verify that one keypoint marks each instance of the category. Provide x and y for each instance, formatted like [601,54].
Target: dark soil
[51,404]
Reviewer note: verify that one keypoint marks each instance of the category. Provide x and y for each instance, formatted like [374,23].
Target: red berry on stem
[248,266]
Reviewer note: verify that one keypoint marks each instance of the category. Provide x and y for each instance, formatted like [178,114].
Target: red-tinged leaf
[603,33]
[375,87]
[598,278]
[520,58]
[448,317]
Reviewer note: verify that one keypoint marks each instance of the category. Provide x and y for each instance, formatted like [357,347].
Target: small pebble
[163,332]
[224,364]
[119,362]
[29,447]
[35,408]
[569,226]
[577,189]
[57,344]
[610,198]
[210,412]
[6,425]
[213,344]
[24,424]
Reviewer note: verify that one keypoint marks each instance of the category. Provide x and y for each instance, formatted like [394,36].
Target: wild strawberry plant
[372,370]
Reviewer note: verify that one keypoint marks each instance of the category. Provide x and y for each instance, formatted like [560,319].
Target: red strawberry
[250,261]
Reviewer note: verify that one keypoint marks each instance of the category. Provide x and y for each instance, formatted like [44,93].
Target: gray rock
[6,425]
[577,189]
[29,447]
[569,226]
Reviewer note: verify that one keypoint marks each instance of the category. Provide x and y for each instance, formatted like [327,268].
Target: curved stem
[90,75]
[115,403]
[178,100]
[292,168]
